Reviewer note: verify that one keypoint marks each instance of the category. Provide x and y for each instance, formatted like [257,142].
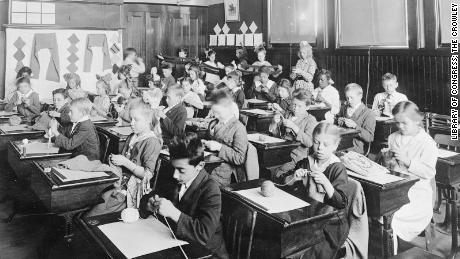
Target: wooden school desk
[67,199]
[383,128]
[90,227]
[117,139]
[346,138]
[257,104]
[23,164]
[258,121]
[5,116]
[318,112]
[448,178]
[199,126]
[274,154]
[205,111]
[383,200]
[7,136]
[106,122]
[278,235]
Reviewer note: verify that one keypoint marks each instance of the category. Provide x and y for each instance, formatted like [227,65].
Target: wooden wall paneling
[77,14]
[154,37]
[3,20]
[135,32]
[194,36]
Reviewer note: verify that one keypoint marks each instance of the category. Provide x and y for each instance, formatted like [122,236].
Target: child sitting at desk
[322,177]
[194,205]
[326,93]
[228,137]
[136,63]
[168,79]
[101,103]
[265,89]
[24,99]
[237,92]
[284,104]
[299,127]
[62,107]
[124,101]
[355,115]
[80,138]
[137,162]
[191,99]
[197,84]
[73,87]
[173,118]
[416,154]
[385,102]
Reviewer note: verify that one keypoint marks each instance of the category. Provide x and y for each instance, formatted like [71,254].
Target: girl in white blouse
[415,153]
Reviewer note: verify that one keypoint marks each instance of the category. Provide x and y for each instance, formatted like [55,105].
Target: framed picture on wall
[232,10]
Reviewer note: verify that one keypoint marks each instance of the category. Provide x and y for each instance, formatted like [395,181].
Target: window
[32,12]
[288,28]
[372,23]
[443,20]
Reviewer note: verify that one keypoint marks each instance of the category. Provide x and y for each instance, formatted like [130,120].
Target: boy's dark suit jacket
[82,141]
[200,218]
[174,123]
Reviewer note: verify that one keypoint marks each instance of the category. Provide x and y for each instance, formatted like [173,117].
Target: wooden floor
[30,236]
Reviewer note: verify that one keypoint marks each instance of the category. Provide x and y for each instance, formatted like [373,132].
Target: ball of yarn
[129,215]
[14,120]
[267,188]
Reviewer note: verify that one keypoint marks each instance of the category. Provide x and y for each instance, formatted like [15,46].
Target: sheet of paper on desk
[379,118]
[122,130]
[256,137]
[279,202]
[67,175]
[256,101]
[446,153]
[259,111]
[98,118]
[377,177]
[5,113]
[8,128]
[40,148]
[317,106]
[142,237]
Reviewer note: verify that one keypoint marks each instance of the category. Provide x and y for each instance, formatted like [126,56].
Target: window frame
[338,32]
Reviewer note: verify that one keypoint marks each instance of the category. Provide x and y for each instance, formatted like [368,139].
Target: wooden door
[154,38]
[136,28]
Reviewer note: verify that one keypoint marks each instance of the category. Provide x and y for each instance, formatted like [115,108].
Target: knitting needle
[172,232]
[49,138]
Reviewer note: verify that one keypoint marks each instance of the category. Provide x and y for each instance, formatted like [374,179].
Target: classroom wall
[423,72]
[70,14]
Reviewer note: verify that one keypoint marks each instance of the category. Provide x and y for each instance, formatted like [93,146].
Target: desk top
[20,131]
[57,185]
[258,113]
[17,148]
[111,133]
[90,226]
[105,122]
[452,160]
[275,145]
[315,211]
[346,131]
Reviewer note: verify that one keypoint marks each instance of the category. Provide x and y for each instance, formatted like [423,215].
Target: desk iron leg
[388,246]
[68,216]
[452,200]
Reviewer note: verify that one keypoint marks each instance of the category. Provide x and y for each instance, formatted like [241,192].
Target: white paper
[49,18]
[142,237]
[67,175]
[212,40]
[263,139]
[98,118]
[377,177]
[255,101]
[248,40]
[5,113]
[34,18]
[279,202]
[446,153]
[317,106]
[230,39]
[239,40]
[18,6]
[34,7]
[122,130]
[378,118]
[258,39]
[221,38]
[8,128]
[40,148]
[18,18]
[258,111]
[48,8]
[164,152]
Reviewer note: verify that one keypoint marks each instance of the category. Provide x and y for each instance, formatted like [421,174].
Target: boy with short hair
[62,107]
[136,63]
[173,118]
[80,137]
[385,102]
[194,205]
[168,79]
